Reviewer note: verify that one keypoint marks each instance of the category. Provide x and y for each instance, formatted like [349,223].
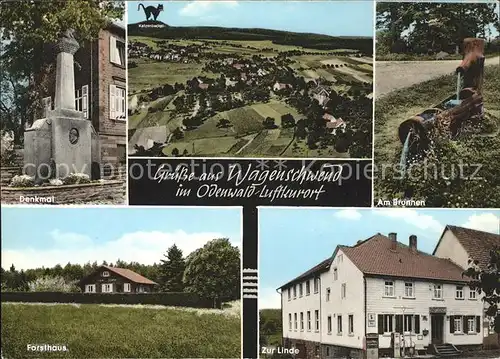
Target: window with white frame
[107,288]
[350,324]
[459,292]
[471,324]
[316,285]
[438,291]
[308,320]
[117,105]
[387,323]
[301,321]
[409,293]
[343,290]
[289,293]
[408,323]
[90,288]
[116,51]
[82,100]
[308,287]
[339,323]
[457,323]
[127,288]
[290,321]
[472,294]
[294,291]
[300,290]
[335,274]
[105,273]
[328,294]
[295,321]
[316,319]
[389,289]
[329,324]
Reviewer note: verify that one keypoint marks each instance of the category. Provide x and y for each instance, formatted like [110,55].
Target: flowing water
[459,85]
[404,153]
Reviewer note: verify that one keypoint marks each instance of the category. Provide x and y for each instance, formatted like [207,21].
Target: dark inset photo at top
[63,105]
[250,79]
[437,114]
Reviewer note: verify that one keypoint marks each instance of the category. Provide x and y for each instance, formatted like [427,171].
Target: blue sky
[350,18]
[46,236]
[292,240]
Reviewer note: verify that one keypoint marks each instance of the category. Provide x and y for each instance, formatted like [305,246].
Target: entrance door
[437,328]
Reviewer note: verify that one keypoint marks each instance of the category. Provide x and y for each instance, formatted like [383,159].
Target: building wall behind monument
[112,132]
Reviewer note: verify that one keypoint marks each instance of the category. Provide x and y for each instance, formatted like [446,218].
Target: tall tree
[172,270]
[487,282]
[28,28]
[213,271]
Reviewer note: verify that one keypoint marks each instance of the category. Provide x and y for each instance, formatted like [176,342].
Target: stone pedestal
[64,142]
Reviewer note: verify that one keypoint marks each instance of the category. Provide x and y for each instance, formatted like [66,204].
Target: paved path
[395,75]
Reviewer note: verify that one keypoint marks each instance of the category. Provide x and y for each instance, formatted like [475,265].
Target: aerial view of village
[250,79]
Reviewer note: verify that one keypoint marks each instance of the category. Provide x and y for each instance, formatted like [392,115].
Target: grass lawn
[94,331]
[472,149]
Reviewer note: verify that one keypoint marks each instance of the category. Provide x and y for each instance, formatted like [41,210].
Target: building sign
[371,320]
[437,310]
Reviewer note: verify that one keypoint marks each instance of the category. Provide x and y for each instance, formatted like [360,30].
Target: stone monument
[64,142]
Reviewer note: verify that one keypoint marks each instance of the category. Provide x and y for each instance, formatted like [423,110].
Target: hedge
[167,298]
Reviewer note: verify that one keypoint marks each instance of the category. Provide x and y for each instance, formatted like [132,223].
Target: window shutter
[380,324]
[112,49]
[465,321]
[112,109]
[452,324]
[478,324]
[85,101]
[399,323]
[417,324]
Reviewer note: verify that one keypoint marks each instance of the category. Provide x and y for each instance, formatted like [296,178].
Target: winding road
[395,75]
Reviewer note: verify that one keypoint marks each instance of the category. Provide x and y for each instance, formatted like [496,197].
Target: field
[473,149]
[98,331]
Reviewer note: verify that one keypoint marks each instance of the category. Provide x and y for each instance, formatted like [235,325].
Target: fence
[168,298]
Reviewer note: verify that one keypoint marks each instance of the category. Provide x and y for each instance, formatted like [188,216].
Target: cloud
[269,298]
[488,222]
[350,214]
[142,246]
[202,7]
[413,217]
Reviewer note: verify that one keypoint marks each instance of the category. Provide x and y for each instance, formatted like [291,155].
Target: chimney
[394,240]
[413,243]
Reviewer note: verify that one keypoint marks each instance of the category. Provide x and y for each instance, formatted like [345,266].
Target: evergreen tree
[172,270]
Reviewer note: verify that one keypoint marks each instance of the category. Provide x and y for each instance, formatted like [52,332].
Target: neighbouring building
[108,279]
[460,245]
[280,86]
[100,92]
[322,94]
[383,288]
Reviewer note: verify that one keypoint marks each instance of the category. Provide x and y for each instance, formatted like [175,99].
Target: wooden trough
[448,117]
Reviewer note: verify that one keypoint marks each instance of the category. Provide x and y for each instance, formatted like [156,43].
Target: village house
[383,288]
[321,94]
[108,279]
[334,124]
[100,92]
[280,86]
[460,244]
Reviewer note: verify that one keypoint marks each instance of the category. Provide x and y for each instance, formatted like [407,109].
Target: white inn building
[380,288]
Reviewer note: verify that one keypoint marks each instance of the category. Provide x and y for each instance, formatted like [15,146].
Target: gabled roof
[476,243]
[318,268]
[375,257]
[125,273]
